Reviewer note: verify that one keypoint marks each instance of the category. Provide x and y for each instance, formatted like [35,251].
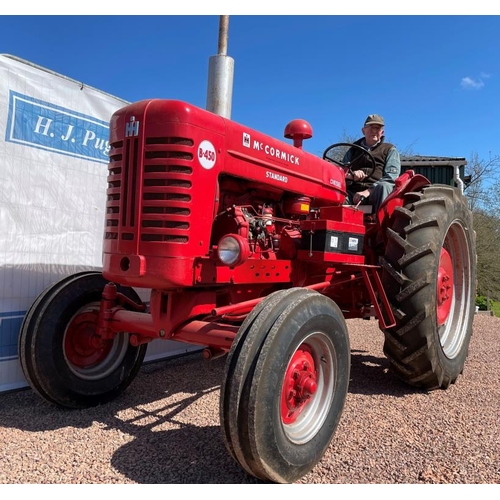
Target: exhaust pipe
[220,75]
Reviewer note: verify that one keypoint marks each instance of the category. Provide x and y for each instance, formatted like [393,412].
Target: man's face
[372,133]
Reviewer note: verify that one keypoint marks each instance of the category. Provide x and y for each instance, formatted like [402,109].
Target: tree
[482,194]
[487,229]
[481,174]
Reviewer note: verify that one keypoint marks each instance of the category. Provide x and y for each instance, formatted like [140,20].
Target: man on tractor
[372,186]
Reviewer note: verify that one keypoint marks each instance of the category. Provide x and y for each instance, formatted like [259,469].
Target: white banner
[53,168]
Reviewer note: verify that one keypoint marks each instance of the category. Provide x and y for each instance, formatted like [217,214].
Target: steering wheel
[349,167]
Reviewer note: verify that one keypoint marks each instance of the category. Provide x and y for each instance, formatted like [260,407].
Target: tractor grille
[149,196]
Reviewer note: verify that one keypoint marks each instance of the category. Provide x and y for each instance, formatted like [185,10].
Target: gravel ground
[165,428]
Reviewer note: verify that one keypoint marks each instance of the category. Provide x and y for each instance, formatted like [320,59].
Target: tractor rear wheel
[429,274]
[61,356]
[287,375]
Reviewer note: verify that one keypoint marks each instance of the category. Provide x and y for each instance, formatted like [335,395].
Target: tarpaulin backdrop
[53,168]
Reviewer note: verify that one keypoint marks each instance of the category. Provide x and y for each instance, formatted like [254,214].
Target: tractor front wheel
[287,375]
[61,355]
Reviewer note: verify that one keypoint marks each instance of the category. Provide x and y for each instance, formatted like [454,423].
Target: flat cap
[374,120]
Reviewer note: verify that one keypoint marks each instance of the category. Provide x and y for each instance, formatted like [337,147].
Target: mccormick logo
[43,125]
[276,153]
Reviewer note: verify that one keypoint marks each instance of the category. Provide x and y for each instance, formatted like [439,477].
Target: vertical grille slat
[125,187]
[133,190]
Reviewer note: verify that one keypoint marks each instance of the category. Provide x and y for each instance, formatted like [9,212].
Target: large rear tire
[429,274]
[287,375]
[61,357]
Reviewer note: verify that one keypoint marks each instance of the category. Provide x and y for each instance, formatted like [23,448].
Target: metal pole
[220,75]
[223,34]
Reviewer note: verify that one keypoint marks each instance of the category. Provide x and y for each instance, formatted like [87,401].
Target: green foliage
[495,307]
[481,302]
[487,227]
[482,194]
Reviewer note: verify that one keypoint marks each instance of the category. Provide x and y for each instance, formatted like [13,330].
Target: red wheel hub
[83,348]
[299,385]
[444,287]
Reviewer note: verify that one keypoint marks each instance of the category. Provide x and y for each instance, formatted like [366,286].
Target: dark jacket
[361,161]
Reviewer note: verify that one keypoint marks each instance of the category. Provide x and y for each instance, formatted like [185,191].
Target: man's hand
[357,197]
[358,175]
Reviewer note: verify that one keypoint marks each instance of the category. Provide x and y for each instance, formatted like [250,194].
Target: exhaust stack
[220,75]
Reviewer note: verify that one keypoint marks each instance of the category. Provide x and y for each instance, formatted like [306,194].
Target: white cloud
[471,83]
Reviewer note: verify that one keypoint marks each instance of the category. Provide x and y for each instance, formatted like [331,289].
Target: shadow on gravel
[370,375]
[27,411]
[161,392]
[187,454]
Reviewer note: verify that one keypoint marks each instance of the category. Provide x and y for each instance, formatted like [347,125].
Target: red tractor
[249,251]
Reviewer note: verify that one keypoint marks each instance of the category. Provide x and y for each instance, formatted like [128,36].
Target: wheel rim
[455,309]
[299,386]
[308,388]
[87,355]
[444,287]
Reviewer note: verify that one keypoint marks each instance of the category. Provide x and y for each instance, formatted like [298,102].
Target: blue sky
[435,78]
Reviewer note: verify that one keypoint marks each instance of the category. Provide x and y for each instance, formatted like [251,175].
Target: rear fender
[405,183]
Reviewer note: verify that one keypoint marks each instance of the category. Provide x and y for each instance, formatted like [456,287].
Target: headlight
[232,250]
